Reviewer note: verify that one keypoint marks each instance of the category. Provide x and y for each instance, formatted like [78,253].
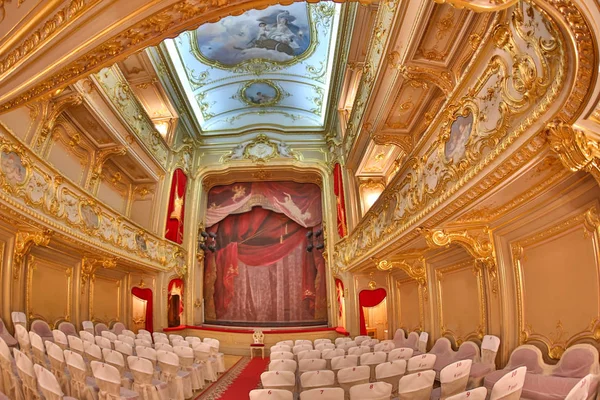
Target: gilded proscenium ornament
[24,241]
[575,150]
[477,242]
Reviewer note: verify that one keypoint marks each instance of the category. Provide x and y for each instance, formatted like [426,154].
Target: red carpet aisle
[238,381]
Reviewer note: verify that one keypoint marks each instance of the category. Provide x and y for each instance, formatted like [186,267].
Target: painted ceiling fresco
[268,68]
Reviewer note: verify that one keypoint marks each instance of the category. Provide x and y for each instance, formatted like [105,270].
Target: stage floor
[237,340]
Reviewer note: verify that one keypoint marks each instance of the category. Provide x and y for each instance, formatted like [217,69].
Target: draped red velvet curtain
[338,188]
[369,298]
[175,214]
[145,294]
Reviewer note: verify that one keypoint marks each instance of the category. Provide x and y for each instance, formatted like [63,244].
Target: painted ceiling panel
[266,68]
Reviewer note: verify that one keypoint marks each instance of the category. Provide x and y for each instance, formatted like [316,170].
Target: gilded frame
[420,295]
[118,282]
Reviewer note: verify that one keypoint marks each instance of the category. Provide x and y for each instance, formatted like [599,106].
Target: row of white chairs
[417,387]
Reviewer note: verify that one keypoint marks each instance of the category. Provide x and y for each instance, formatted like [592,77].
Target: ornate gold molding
[415,268]
[24,241]
[479,5]
[404,142]
[477,242]
[423,75]
[101,157]
[52,109]
[575,150]
[90,265]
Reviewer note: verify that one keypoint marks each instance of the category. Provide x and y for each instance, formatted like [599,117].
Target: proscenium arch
[119,29]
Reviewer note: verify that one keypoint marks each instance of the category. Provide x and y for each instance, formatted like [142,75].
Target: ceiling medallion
[260,93]
[260,150]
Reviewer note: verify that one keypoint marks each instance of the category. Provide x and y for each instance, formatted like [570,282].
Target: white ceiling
[266,68]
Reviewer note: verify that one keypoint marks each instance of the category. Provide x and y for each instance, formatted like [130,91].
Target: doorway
[141,309]
[373,313]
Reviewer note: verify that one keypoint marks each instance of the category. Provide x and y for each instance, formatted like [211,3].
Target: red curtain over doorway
[369,298]
[145,294]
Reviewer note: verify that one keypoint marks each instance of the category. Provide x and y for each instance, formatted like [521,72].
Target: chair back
[4,334]
[145,332]
[164,346]
[581,390]
[192,339]
[60,339]
[75,344]
[176,337]
[281,355]
[421,363]
[300,342]
[109,335]
[118,328]
[258,337]
[88,326]
[474,394]
[141,369]
[126,339]
[416,386]
[283,365]
[311,364]
[19,318]
[281,347]
[301,347]
[289,343]
[371,391]
[114,358]
[87,336]
[23,338]
[108,379]
[103,342]
[323,394]
[373,358]
[358,351]
[422,345]
[489,348]
[128,333]
[123,348]
[322,341]
[27,375]
[92,351]
[324,346]
[148,353]
[412,341]
[39,350]
[142,342]
[386,346]
[332,353]
[309,354]
[342,362]
[317,379]
[391,372]
[348,377]
[42,328]
[99,328]
[346,345]
[402,353]
[48,383]
[454,377]
[271,394]
[341,340]
[67,328]
[285,380]
[163,340]
[359,339]
[399,337]
[510,386]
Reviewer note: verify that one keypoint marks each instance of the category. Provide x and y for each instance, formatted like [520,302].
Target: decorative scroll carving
[440,78]
[90,265]
[405,142]
[261,150]
[52,109]
[24,241]
[480,5]
[415,268]
[574,149]
[101,157]
[477,242]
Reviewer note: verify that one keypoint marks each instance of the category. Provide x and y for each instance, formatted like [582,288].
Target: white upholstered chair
[385,346]
[323,394]
[581,390]
[23,338]
[214,352]
[6,336]
[359,350]
[203,356]
[341,362]
[179,382]
[88,326]
[82,386]
[301,347]
[341,340]
[116,359]
[11,384]
[324,346]
[289,343]
[271,394]
[402,353]
[58,366]
[38,350]
[108,379]
[423,362]
[48,384]
[371,391]
[68,328]
[283,365]
[510,386]
[124,348]
[284,380]
[321,341]
[391,372]
[282,355]
[416,386]
[76,344]
[27,376]
[303,341]
[311,364]
[143,380]
[60,339]
[281,347]
[186,361]
[42,328]
[373,359]
[359,339]
[103,342]
[309,354]
[453,379]
[109,335]
[317,379]
[92,352]
[127,333]
[19,318]
[348,377]
[87,336]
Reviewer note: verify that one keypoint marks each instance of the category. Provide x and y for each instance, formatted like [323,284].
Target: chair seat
[128,394]
[479,370]
[257,345]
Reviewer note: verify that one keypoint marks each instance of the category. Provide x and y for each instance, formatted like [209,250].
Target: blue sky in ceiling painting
[288,48]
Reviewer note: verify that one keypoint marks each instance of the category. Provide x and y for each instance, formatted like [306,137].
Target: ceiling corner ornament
[52,109]
[404,142]
[477,242]
[479,5]
[261,150]
[575,150]
[24,241]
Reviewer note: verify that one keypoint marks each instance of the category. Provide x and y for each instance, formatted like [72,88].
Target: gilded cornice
[90,265]
[114,86]
[414,266]
[52,109]
[444,80]
[477,242]
[101,157]
[575,150]
[480,5]
[428,178]
[24,241]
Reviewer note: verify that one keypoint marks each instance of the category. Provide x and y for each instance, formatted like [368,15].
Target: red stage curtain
[369,298]
[145,294]
[177,283]
[338,189]
[175,214]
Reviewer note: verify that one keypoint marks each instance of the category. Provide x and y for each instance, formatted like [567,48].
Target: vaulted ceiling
[264,69]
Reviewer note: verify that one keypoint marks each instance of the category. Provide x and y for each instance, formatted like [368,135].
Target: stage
[237,340]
